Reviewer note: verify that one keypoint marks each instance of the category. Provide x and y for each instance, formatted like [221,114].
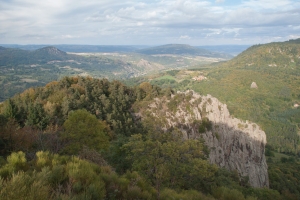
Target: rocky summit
[234,144]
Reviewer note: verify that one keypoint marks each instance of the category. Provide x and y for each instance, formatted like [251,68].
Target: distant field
[29,80]
[169,77]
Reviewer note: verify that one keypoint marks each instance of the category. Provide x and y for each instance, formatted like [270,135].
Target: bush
[205,125]
[223,193]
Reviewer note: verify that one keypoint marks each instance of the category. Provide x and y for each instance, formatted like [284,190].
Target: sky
[145,22]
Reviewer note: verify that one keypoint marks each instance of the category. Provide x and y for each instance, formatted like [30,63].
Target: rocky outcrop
[234,144]
[253,85]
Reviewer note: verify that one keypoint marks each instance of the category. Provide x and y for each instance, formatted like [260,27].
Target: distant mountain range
[13,56]
[177,49]
[81,48]
[227,49]
[182,49]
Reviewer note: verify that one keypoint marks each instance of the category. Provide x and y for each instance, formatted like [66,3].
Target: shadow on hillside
[241,149]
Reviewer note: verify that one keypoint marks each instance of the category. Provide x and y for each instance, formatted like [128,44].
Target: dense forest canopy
[77,139]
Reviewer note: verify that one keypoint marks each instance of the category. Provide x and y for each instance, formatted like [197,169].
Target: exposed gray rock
[253,85]
[234,144]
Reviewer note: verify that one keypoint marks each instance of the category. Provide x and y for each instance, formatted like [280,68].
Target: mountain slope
[275,68]
[2,48]
[40,118]
[278,55]
[50,51]
[233,144]
[145,108]
[10,56]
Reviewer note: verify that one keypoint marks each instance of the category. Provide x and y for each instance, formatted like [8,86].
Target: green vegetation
[50,176]
[23,69]
[83,129]
[157,154]
[274,68]
[205,125]
[77,139]
[283,173]
[168,77]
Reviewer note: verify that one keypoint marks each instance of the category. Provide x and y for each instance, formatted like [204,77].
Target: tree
[37,116]
[8,129]
[9,109]
[167,160]
[84,129]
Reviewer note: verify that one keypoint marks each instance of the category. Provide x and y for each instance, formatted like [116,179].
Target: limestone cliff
[234,144]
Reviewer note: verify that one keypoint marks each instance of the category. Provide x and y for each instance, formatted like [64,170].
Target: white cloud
[269,4]
[184,37]
[69,36]
[294,36]
[111,21]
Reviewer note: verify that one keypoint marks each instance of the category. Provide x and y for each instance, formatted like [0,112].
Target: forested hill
[115,154]
[11,56]
[272,55]
[273,104]
[42,106]
[275,69]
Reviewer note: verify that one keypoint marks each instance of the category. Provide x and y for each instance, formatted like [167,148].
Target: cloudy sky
[145,22]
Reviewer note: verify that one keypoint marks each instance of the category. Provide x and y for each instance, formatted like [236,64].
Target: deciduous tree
[83,128]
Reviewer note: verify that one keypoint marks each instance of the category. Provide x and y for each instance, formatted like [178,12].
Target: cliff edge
[234,144]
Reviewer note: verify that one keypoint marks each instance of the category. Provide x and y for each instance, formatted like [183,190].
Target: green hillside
[77,139]
[269,57]
[12,56]
[274,67]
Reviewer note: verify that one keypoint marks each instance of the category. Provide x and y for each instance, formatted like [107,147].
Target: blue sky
[144,22]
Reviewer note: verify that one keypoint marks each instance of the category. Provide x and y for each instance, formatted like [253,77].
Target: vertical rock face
[234,144]
[240,145]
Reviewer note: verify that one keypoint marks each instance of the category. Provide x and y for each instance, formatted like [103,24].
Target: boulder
[253,85]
